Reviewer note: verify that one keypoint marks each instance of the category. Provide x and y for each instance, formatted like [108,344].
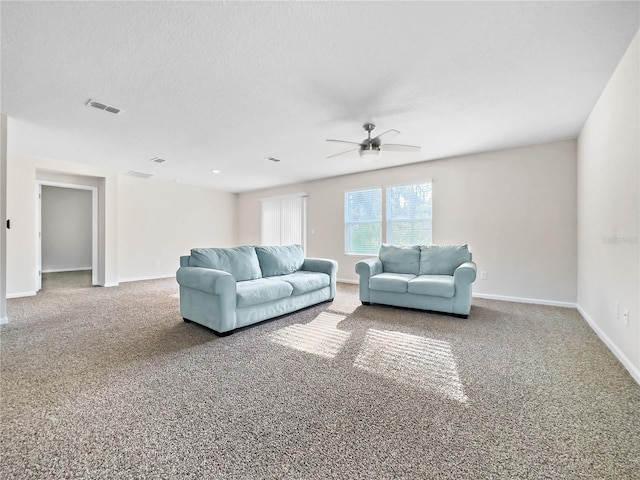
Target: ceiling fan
[371,147]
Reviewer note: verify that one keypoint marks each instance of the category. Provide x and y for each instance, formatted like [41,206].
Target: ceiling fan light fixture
[369,151]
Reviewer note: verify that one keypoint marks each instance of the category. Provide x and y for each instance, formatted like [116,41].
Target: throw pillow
[400,259]
[241,262]
[280,260]
[442,259]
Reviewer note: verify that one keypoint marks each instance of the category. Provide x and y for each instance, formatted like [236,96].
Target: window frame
[383,217]
[346,224]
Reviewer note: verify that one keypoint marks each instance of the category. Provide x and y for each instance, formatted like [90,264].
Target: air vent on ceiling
[158,160]
[106,108]
[139,174]
[272,159]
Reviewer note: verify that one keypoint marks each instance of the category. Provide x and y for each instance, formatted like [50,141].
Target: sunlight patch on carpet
[421,362]
[345,304]
[320,336]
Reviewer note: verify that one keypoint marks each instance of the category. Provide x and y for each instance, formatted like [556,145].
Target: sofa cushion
[442,259]
[435,285]
[391,282]
[400,259]
[241,262]
[303,282]
[262,290]
[280,260]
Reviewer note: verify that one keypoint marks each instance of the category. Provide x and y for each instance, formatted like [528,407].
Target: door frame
[94,227]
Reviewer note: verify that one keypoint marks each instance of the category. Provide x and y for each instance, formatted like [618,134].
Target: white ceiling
[222,85]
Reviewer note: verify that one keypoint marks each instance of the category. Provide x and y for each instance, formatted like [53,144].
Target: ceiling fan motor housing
[369,144]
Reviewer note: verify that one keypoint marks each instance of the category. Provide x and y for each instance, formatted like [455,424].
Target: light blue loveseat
[228,288]
[427,277]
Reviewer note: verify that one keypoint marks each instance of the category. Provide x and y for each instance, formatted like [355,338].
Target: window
[409,214]
[284,220]
[363,221]
[405,218]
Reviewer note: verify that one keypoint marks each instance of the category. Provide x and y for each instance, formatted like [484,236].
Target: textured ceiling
[222,85]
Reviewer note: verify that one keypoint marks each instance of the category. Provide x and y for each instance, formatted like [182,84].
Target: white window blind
[284,220]
[363,221]
[409,214]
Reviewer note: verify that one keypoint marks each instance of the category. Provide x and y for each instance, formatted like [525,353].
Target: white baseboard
[21,294]
[112,284]
[503,298]
[631,368]
[536,301]
[4,321]
[149,277]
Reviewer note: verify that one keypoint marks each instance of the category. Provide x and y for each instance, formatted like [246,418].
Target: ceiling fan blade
[396,147]
[342,141]
[346,151]
[385,136]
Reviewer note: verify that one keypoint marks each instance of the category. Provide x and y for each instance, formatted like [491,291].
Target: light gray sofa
[228,288]
[427,277]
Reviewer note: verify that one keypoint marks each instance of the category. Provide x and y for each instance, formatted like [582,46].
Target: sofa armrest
[366,269]
[465,273]
[322,265]
[369,267]
[207,280]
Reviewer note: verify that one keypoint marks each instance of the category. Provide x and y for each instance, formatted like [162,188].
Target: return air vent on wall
[132,173]
[106,108]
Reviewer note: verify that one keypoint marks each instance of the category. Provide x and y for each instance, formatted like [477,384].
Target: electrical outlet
[625,317]
[483,275]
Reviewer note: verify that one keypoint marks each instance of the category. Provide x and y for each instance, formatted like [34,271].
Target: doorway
[66,231]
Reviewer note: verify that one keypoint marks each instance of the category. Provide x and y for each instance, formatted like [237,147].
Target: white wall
[609,212]
[66,229]
[23,173]
[160,221]
[3,219]
[516,209]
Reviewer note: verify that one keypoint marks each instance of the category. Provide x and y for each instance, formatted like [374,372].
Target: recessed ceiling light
[215,170]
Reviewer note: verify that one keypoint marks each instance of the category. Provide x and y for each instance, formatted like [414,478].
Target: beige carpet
[110,383]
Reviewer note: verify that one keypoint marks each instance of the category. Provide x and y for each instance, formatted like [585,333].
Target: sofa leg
[459,315]
[186,320]
[366,303]
[222,334]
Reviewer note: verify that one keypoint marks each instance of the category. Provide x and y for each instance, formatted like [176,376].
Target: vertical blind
[284,220]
